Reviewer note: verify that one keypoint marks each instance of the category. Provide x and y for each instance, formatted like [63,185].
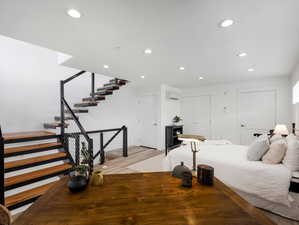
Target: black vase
[77,183]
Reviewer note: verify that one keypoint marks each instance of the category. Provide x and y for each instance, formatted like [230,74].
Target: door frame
[253,91]
[210,106]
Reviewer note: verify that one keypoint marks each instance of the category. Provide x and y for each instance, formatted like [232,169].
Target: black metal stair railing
[2,201]
[64,105]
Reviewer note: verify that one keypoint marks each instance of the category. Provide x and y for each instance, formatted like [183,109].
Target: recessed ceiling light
[181,68]
[226,23]
[74,13]
[106,67]
[250,70]
[142,77]
[200,78]
[242,54]
[147,51]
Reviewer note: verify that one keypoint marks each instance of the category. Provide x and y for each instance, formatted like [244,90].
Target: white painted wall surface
[225,123]
[295,107]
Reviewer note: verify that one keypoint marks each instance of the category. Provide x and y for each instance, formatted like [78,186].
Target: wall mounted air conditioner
[173,95]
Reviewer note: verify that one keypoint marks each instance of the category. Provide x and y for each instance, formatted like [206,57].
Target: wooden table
[144,198]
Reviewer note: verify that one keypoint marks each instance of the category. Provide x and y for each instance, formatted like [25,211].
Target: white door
[196,113]
[257,112]
[148,121]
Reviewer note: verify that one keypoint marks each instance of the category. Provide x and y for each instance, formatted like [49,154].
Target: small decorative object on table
[176,120]
[97,178]
[205,175]
[187,179]
[79,181]
[179,170]
[195,142]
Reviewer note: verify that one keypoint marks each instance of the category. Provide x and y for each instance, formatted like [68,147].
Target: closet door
[257,112]
[196,112]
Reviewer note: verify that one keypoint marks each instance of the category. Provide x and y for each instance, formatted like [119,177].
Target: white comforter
[270,182]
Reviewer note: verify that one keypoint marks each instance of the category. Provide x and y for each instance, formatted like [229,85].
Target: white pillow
[258,148]
[276,152]
[291,159]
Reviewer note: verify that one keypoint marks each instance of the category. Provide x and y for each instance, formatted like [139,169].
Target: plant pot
[77,183]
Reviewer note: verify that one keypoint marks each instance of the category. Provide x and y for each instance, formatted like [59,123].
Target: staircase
[16,159]
[95,98]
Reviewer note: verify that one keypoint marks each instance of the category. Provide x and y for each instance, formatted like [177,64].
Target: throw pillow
[276,152]
[258,148]
[291,159]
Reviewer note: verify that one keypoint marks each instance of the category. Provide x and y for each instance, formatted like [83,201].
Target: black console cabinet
[171,137]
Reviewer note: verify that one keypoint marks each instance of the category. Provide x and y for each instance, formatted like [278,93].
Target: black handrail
[103,145]
[2,201]
[63,104]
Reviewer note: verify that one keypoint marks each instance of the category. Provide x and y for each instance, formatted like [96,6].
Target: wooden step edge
[38,175]
[22,150]
[54,125]
[34,161]
[25,197]
[28,136]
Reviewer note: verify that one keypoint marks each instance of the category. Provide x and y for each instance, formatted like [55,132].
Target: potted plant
[80,180]
[176,120]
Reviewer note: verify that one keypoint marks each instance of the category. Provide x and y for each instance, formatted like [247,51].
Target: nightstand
[294,187]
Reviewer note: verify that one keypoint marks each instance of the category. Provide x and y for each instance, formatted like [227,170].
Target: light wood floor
[119,164]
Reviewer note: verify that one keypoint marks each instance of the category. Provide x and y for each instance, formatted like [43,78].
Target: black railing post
[92,86]
[2,201]
[62,109]
[125,141]
[77,150]
[102,153]
[90,149]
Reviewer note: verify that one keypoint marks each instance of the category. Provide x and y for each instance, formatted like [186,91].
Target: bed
[263,185]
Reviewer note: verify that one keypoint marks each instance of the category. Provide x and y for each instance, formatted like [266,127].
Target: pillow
[275,137]
[276,152]
[291,159]
[258,148]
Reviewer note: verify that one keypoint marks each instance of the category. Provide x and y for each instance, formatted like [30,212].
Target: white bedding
[270,182]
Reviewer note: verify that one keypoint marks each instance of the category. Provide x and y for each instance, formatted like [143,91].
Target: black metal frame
[2,198]
[103,145]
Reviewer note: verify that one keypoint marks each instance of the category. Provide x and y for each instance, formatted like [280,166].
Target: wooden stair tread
[55,125]
[23,149]
[35,174]
[30,134]
[27,195]
[23,162]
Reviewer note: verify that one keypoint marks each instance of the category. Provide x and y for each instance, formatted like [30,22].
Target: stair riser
[49,126]
[30,139]
[95,99]
[108,88]
[22,203]
[34,164]
[78,111]
[103,93]
[86,105]
[32,151]
[57,118]
[65,172]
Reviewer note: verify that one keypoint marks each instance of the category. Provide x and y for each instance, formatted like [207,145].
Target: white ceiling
[179,32]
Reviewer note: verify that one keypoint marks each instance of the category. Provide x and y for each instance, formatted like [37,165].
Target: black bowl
[77,183]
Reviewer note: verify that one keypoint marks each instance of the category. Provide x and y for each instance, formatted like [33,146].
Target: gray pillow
[258,148]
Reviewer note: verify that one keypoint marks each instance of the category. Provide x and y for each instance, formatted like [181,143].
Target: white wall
[225,122]
[295,107]
[29,93]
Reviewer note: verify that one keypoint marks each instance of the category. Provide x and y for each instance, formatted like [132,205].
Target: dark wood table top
[143,198]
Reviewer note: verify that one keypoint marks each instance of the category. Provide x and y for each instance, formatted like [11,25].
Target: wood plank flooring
[119,165]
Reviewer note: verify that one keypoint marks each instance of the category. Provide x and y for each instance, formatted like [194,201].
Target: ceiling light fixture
[106,67]
[142,77]
[242,54]
[147,51]
[200,78]
[74,13]
[226,23]
[250,70]
[181,68]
